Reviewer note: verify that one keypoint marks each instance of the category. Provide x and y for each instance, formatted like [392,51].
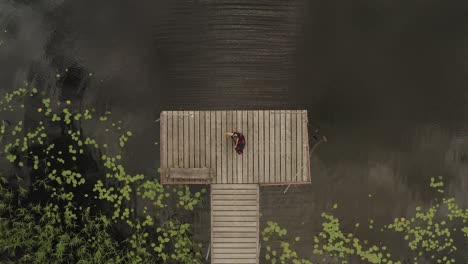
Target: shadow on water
[385,81]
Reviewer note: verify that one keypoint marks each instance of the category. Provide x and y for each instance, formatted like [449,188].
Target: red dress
[240,143]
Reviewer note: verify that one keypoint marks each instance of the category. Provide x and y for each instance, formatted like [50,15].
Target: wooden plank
[258,221]
[293,147]
[251,149]
[261,147]
[190,173]
[235,213]
[236,229]
[231,197]
[234,235]
[229,148]
[247,147]
[228,240]
[186,140]
[233,256]
[239,157]
[305,155]
[299,147]
[191,138]
[202,145]
[235,186]
[255,148]
[234,192]
[213,144]
[224,142]
[233,151]
[212,234]
[180,129]
[235,218]
[235,203]
[234,250]
[175,140]
[234,244]
[283,146]
[234,261]
[163,138]
[235,208]
[272,173]
[197,139]
[170,143]
[219,138]
[287,128]
[211,228]
[267,145]
[277,147]
[234,224]
[207,139]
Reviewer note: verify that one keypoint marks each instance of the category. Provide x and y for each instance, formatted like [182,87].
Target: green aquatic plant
[437,234]
[278,250]
[52,208]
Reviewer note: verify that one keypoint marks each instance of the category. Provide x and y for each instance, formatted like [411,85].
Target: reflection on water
[385,82]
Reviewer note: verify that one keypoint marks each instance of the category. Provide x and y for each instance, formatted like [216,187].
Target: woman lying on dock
[239,141]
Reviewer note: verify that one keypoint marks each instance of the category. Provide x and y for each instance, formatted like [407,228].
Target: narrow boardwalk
[234,223]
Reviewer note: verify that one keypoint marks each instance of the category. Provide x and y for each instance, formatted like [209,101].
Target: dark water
[386,81]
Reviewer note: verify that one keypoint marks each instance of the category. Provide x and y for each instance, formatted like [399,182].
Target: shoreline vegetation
[66,197]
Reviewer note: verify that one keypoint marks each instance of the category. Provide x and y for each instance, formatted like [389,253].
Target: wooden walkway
[277,149]
[234,223]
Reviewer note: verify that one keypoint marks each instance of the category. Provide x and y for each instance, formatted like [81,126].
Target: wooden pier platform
[196,150]
[234,223]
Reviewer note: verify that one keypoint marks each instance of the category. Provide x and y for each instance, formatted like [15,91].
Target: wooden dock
[196,150]
[234,223]
[276,151]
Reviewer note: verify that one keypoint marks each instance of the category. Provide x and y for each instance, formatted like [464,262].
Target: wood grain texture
[305,155]
[219,139]
[283,146]
[234,228]
[163,143]
[255,151]
[247,146]
[276,150]
[202,145]
[234,153]
[180,129]
[197,139]
[293,147]
[240,239]
[300,146]
[277,143]
[261,147]
[229,147]
[234,261]
[190,173]
[223,147]
[250,151]
[287,127]
[272,148]
[239,157]
[213,143]
[186,139]
[267,146]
